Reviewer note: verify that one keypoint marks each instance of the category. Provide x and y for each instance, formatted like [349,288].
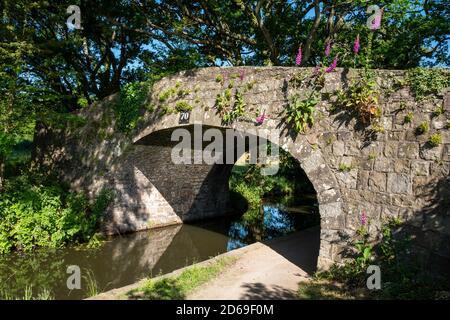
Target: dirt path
[267,271]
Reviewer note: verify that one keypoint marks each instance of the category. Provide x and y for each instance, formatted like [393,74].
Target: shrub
[409,117]
[183,106]
[38,212]
[361,98]
[300,113]
[427,81]
[422,128]
[435,140]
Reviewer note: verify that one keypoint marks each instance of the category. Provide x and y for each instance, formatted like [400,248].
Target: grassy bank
[178,287]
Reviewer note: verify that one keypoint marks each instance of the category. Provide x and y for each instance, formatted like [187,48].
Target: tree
[16,108]
[270,32]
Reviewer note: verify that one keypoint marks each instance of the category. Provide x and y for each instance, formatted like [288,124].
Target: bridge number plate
[184,117]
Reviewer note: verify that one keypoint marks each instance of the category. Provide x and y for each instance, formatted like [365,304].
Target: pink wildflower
[298,59]
[333,65]
[260,119]
[363,218]
[356,45]
[242,75]
[328,49]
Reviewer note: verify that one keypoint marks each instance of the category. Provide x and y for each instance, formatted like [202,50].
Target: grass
[327,290]
[92,287]
[178,287]
[44,294]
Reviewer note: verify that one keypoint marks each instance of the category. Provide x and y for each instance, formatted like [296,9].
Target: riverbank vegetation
[403,274]
[248,181]
[179,286]
[38,211]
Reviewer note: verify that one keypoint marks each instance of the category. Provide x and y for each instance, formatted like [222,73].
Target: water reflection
[123,260]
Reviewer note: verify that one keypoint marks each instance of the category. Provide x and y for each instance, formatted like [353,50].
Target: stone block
[347,179]
[399,183]
[408,150]
[428,153]
[383,165]
[377,181]
[402,166]
[363,180]
[420,168]
[352,148]
[390,149]
[338,148]
[331,210]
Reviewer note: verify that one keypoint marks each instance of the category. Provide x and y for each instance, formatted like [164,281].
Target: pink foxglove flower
[328,49]
[242,75]
[298,59]
[363,218]
[260,119]
[333,65]
[356,45]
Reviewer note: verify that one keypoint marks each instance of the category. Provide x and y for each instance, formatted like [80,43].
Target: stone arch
[311,160]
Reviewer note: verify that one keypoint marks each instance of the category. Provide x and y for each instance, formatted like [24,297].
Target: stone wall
[393,172]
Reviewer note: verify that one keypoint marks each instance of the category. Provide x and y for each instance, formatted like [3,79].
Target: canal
[125,259]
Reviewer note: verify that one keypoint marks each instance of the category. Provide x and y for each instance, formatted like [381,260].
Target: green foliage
[435,140]
[37,212]
[249,85]
[343,167]
[448,124]
[377,128]
[177,287]
[424,127]
[223,101]
[425,81]
[130,105]
[248,181]
[43,294]
[361,98]
[166,94]
[92,286]
[300,113]
[219,78]
[183,106]
[82,102]
[402,275]
[252,193]
[438,111]
[409,117]
[372,156]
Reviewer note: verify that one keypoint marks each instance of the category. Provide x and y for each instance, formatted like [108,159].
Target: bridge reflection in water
[125,259]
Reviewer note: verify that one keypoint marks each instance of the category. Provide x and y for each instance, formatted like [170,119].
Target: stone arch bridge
[392,173]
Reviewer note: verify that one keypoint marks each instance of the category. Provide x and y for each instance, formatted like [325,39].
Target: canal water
[123,260]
